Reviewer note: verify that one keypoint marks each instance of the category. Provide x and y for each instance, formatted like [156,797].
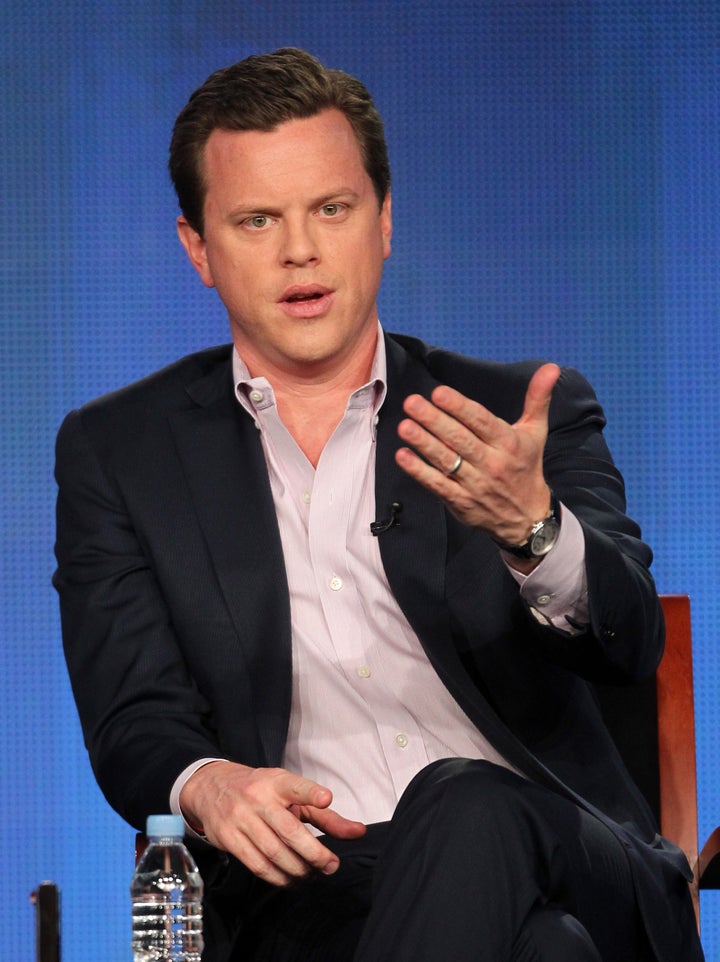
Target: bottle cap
[158,826]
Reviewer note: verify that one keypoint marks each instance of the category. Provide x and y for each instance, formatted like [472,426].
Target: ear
[195,249]
[386,224]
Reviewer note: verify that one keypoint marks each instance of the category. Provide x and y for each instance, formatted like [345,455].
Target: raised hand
[499,484]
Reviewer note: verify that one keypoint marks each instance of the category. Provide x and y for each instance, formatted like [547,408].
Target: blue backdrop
[556,193]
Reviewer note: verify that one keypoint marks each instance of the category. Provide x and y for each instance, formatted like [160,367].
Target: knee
[463,777]
[556,936]
[475,786]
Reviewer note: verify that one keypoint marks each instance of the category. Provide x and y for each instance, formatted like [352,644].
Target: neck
[311,412]
[311,402]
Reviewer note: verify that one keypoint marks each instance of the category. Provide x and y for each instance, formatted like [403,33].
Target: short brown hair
[259,93]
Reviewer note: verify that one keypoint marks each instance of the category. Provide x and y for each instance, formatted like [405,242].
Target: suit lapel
[421,534]
[415,557]
[223,463]
[414,553]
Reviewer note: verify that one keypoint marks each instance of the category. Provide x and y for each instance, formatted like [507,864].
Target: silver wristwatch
[543,535]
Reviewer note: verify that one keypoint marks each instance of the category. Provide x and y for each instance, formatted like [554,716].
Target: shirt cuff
[178,785]
[556,590]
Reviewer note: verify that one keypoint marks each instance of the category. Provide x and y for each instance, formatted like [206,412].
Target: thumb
[539,393]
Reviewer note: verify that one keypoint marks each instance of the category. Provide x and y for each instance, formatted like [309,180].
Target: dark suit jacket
[175,607]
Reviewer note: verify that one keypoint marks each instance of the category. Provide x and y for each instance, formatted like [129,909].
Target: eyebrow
[245,209]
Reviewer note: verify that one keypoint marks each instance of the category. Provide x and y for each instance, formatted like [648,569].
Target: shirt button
[256,395]
[336,583]
[363,671]
[401,740]
[307,497]
[543,599]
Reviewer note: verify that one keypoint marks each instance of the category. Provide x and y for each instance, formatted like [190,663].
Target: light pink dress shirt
[368,710]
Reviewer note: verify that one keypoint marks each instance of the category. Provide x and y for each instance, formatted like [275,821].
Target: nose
[299,246]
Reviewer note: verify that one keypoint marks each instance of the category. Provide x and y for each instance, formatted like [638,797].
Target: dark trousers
[477,865]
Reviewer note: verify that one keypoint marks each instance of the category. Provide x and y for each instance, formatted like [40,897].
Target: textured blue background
[556,193]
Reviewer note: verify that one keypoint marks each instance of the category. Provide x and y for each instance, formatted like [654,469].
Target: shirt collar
[256,393]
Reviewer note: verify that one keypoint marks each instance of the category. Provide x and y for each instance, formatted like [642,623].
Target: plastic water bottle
[166,894]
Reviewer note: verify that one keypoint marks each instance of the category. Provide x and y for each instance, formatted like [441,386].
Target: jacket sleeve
[625,636]
[142,714]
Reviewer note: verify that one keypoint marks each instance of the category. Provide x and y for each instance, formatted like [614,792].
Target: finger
[296,790]
[276,847]
[454,494]
[245,837]
[462,427]
[441,454]
[332,823]
[279,811]
[267,857]
[296,838]
[472,421]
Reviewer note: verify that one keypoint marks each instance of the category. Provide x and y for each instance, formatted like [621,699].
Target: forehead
[302,153]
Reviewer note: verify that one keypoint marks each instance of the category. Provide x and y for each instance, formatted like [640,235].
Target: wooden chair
[653,725]
[676,749]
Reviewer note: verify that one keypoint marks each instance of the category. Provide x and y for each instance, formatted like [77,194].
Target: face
[294,243]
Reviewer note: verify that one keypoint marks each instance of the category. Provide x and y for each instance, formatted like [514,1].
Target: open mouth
[306,302]
[303,294]
[295,298]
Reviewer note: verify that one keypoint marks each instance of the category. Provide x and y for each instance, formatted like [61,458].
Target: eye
[257,222]
[332,210]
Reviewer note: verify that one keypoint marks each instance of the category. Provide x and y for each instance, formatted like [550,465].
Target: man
[337,596]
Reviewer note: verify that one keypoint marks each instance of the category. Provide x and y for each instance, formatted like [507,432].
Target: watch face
[544,538]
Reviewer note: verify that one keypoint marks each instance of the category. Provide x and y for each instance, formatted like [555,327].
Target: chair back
[653,726]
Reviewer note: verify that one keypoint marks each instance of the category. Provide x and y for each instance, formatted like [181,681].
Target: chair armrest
[709,862]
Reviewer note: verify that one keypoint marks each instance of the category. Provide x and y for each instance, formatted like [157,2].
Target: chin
[311,351]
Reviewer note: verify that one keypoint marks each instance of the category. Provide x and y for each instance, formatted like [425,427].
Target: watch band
[542,537]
